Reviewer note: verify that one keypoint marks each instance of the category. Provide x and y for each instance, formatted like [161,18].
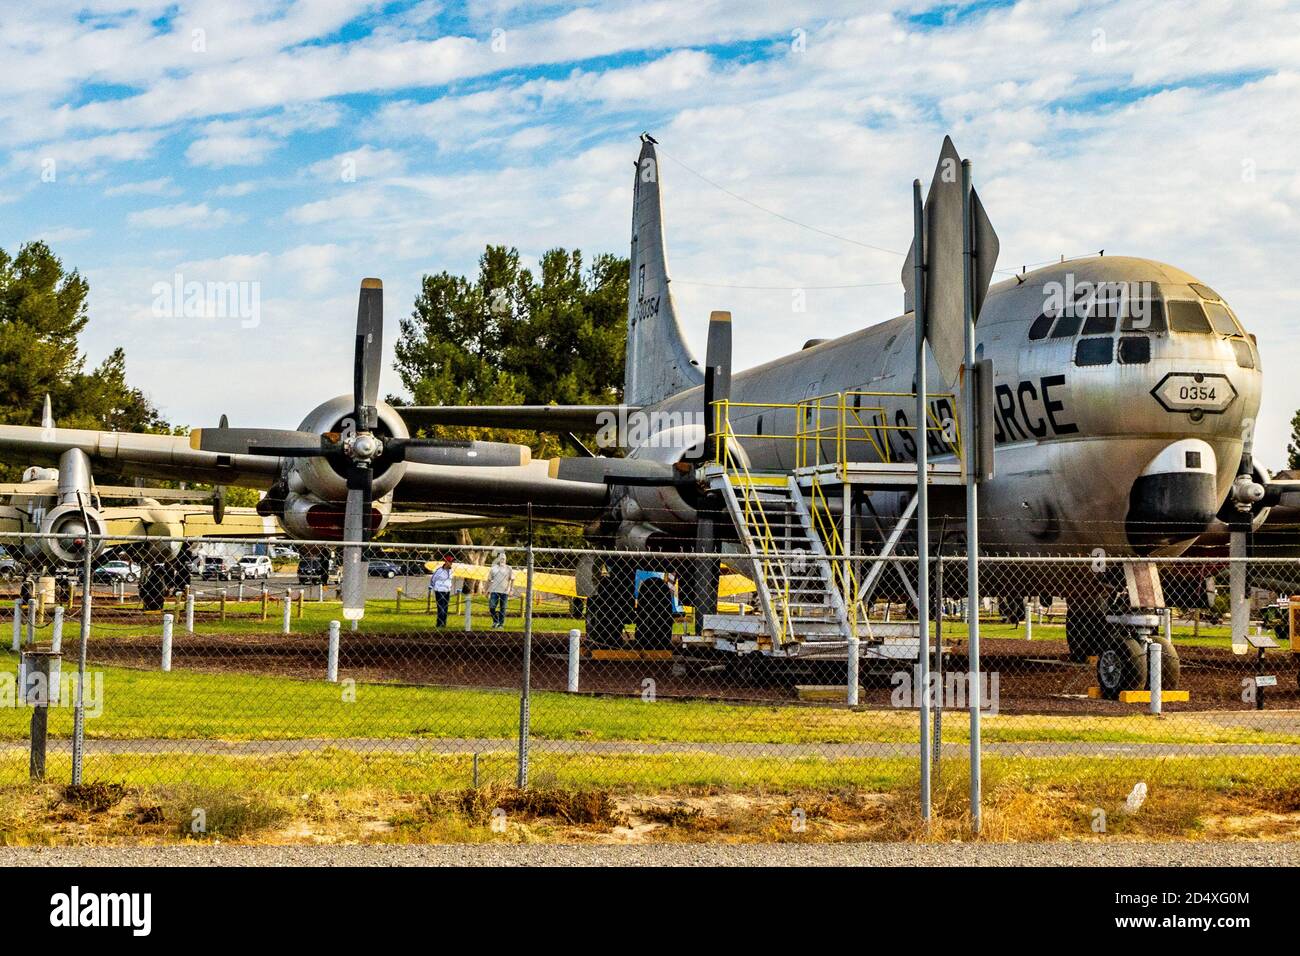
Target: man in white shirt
[500,578]
[440,585]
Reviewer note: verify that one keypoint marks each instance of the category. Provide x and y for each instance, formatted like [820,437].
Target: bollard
[56,647]
[288,608]
[1169,623]
[320,593]
[18,625]
[332,661]
[239,592]
[167,644]
[37,696]
[189,611]
[575,641]
[221,598]
[264,602]
[851,693]
[31,621]
[1154,651]
[398,605]
[469,612]
[300,599]
[1029,619]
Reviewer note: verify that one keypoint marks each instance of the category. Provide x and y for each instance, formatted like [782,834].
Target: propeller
[717,378]
[1245,496]
[219,491]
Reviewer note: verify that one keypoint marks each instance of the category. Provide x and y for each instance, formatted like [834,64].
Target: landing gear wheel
[608,609]
[1087,634]
[1122,666]
[654,615]
[1170,668]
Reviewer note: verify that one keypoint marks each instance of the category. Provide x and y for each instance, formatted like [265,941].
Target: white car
[117,571]
[254,566]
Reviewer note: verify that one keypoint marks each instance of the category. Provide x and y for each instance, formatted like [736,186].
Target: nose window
[1134,350]
[1221,319]
[1241,349]
[1188,316]
[1143,315]
[1097,351]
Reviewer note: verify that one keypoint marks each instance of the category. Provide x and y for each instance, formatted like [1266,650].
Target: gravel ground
[771,854]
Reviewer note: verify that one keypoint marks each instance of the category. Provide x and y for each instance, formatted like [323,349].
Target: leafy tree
[506,337]
[1293,448]
[42,314]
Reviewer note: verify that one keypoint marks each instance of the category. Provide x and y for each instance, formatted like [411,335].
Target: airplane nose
[1174,498]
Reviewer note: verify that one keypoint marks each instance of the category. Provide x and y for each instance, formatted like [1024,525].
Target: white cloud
[162,186]
[180,216]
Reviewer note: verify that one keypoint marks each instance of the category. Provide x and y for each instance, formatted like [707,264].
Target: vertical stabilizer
[659,363]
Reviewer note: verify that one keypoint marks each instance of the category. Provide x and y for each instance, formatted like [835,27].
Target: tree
[1293,449]
[42,314]
[504,337]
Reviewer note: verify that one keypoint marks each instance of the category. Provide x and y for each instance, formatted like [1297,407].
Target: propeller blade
[259,441]
[368,356]
[356,527]
[436,451]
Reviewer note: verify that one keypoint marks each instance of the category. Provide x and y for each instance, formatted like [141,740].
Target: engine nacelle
[324,478]
[308,518]
[65,532]
[669,507]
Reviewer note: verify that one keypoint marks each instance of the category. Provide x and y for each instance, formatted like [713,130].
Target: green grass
[189,704]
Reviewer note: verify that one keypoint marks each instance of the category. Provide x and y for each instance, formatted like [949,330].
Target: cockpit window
[1134,350]
[1241,349]
[1040,326]
[1221,319]
[1143,315]
[1067,326]
[1101,317]
[1205,292]
[1187,316]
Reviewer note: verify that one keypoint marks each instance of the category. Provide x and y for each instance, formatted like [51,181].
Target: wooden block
[630,655]
[824,692]
[1144,696]
[1094,693]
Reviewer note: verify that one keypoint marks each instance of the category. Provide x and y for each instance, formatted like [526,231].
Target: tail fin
[659,362]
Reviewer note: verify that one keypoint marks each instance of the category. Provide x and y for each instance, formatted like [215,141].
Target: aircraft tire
[1087,634]
[654,615]
[607,610]
[1122,666]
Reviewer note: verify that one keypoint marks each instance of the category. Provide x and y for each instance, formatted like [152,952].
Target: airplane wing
[188,522]
[153,456]
[543,418]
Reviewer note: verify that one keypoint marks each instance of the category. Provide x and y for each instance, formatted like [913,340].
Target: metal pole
[851,692]
[469,611]
[288,608]
[332,658]
[18,625]
[972,505]
[575,648]
[56,648]
[167,643]
[525,689]
[1153,675]
[189,610]
[79,711]
[38,698]
[1029,619]
[922,497]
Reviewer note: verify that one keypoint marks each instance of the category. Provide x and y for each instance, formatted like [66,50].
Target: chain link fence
[579,669]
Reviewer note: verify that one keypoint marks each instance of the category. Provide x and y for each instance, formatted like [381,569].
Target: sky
[292,148]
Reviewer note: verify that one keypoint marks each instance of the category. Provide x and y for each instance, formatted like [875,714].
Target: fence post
[18,625]
[469,611]
[1169,624]
[288,608]
[264,601]
[398,606]
[37,664]
[221,597]
[575,648]
[79,708]
[239,592]
[167,643]
[851,692]
[189,610]
[526,683]
[300,600]
[1029,619]
[31,621]
[1154,651]
[332,657]
[320,593]
[56,647]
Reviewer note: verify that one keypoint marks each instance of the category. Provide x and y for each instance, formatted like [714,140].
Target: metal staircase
[796,580]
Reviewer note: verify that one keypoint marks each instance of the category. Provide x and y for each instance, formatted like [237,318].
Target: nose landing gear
[1122,661]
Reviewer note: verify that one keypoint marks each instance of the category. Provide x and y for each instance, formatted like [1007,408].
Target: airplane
[1125,431]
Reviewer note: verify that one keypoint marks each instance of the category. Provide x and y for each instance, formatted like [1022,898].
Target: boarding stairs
[799,585]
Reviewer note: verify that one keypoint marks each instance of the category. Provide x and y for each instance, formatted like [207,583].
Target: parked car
[221,569]
[317,570]
[385,569]
[127,571]
[254,566]
[284,551]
